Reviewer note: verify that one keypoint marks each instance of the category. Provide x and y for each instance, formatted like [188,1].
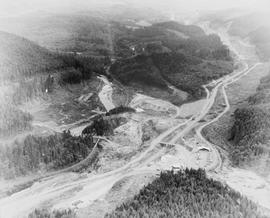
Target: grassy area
[187,193]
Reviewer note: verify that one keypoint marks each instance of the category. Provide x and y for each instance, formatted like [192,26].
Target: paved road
[62,189]
[49,190]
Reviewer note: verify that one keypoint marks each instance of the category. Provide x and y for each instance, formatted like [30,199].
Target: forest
[184,72]
[80,68]
[187,193]
[22,58]
[169,52]
[169,37]
[45,153]
[35,153]
[250,132]
[29,71]
[13,120]
[81,32]
[103,126]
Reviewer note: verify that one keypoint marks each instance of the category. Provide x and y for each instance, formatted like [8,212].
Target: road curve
[50,189]
[224,84]
[64,188]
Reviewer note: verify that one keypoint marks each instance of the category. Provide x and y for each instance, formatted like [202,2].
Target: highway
[62,189]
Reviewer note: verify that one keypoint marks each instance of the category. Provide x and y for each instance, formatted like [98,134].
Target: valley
[123,112]
[178,143]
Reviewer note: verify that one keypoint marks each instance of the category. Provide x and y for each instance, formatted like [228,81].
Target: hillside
[250,26]
[187,193]
[66,33]
[22,61]
[21,57]
[168,36]
[92,112]
[85,32]
[243,132]
[250,132]
[40,91]
[253,27]
[31,72]
[35,154]
[170,53]
[243,25]
[108,35]
[186,73]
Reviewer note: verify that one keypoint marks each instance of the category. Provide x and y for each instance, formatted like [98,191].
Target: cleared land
[124,163]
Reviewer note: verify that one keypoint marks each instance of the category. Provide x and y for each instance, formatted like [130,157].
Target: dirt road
[66,190]
[72,190]
[247,182]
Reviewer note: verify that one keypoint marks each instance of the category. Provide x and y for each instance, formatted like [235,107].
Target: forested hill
[64,32]
[188,193]
[88,32]
[168,36]
[172,53]
[20,56]
[185,72]
[20,61]
[250,133]
[29,71]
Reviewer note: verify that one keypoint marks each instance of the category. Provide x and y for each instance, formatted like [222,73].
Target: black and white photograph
[134,109]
